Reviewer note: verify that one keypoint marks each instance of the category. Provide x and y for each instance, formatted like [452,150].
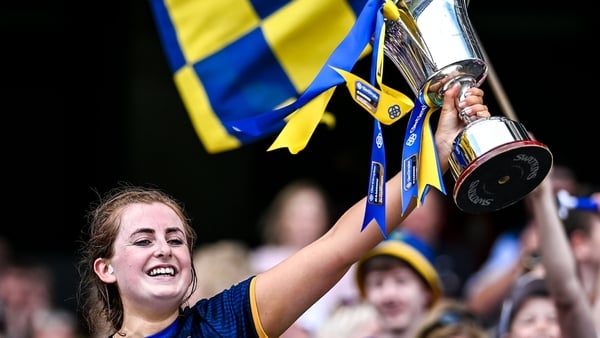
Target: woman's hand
[450,124]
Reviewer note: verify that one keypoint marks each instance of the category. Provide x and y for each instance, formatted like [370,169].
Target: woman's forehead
[155,216]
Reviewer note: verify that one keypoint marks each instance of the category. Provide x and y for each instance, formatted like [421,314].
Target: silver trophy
[494,161]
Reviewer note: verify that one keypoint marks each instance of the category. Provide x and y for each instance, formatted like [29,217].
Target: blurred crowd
[409,286]
[28,304]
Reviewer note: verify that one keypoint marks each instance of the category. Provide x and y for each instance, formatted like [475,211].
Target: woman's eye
[142,242]
[176,242]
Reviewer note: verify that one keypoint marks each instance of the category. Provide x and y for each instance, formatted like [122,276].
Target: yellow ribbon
[428,173]
[387,105]
[302,123]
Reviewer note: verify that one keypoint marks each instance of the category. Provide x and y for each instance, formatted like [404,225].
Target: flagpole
[496,86]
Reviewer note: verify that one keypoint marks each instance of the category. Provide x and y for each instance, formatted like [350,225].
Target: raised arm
[284,292]
[575,314]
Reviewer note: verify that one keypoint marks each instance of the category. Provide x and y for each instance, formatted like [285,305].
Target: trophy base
[502,176]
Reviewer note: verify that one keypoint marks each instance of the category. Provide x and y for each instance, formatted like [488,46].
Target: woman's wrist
[444,149]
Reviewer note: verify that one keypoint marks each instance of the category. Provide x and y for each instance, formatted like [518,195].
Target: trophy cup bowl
[494,161]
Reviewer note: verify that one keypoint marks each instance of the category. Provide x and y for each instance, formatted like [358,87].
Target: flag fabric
[235,59]
[248,69]
[303,114]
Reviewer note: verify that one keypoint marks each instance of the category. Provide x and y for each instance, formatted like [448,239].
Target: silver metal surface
[482,136]
[433,45]
[494,162]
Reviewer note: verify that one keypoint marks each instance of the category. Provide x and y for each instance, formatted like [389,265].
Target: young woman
[137,271]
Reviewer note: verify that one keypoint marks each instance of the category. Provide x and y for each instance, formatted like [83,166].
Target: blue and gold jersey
[231,313]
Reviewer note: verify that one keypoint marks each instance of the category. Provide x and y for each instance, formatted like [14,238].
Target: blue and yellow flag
[248,69]
[235,59]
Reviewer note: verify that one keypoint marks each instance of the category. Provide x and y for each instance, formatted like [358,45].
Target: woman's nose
[163,249]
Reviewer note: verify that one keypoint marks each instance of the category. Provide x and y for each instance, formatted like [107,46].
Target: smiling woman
[140,230]
[137,130]
[144,234]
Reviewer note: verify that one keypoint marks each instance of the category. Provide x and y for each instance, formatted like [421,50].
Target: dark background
[89,102]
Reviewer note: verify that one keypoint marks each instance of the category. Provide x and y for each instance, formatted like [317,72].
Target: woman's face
[537,317]
[151,262]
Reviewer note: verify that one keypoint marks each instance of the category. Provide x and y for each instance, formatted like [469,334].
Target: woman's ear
[104,270]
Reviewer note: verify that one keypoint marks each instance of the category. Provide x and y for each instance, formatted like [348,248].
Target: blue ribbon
[376,194]
[412,187]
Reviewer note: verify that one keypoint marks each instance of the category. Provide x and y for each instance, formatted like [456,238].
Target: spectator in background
[513,253]
[27,305]
[356,319]
[582,227]
[398,279]
[219,265]
[349,320]
[25,292]
[299,214]
[549,301]
[451,318]
[529,310]
[55,323]
[429,223]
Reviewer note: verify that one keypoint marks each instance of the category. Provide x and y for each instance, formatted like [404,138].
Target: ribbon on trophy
[394,103]
[420,163]
[384,103]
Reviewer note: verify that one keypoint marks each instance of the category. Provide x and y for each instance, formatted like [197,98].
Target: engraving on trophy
[475,198]
[534,165]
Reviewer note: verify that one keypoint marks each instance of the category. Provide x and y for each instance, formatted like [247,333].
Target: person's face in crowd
[585,244]
[537,317]
[151,258]
[399,296]
[303,219]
